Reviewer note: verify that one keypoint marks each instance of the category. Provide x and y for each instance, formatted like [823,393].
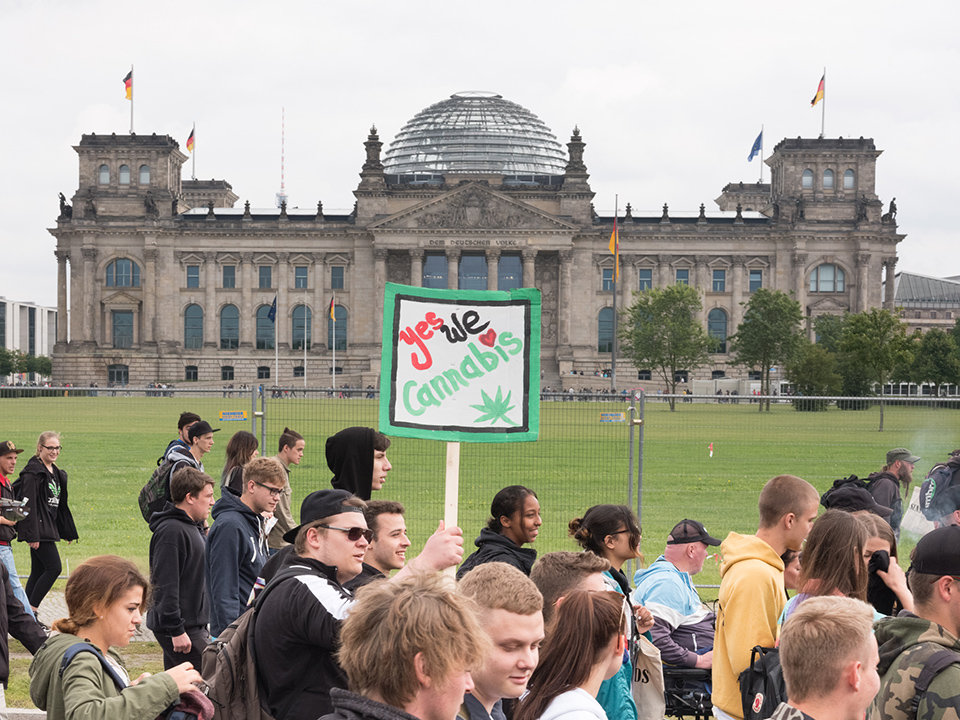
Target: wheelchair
[684,691]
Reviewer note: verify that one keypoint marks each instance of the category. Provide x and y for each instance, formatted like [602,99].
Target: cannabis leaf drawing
[494,409]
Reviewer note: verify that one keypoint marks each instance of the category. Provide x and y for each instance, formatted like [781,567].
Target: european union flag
[272,314]
[757,144]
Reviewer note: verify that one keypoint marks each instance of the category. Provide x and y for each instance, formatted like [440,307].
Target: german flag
[128,84]
[820,89]
[614,247]
[190,141]
[332,306]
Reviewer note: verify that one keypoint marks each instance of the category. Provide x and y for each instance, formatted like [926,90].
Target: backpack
[934,665]
[852,481]
[154,495]
[762,686]
[940,491]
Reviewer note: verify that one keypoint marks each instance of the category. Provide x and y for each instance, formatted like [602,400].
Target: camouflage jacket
[788,712]
[906,643]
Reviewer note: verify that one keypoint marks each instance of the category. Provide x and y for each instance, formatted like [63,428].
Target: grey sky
[668,96]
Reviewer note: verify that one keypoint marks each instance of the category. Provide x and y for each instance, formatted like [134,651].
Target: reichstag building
[172,280]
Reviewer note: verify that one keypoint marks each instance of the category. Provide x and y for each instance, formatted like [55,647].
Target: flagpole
[823,107]
[131,98]
[761,153]
[333,367]
[276,349]
[193,169]
[616,265]
[305,311]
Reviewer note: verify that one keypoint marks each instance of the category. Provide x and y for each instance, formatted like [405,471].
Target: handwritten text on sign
[459,363]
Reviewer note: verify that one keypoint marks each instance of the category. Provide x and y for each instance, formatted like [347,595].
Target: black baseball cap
[688,531]
[938,552]
[318,505]
[200,428]
[7,447]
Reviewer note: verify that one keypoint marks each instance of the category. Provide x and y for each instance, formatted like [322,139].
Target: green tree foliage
[828,329]
[936,359]
[659,330]
[812,370]
[876,341]
[8,362]
[769,334]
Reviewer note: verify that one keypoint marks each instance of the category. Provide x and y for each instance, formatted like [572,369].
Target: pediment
[472,207]
[191,257]
[121,297]
[300,259]
[228,258]
[337,259]
[828,306]
[264,258]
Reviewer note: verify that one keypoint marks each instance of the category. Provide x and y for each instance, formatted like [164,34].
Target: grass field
[111,446]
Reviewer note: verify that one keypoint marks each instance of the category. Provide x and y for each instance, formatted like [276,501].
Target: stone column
[737,272]
[210,300]
[62,257]
[149,280]
[89,296]
[379,283]
[321,303]
[863,280]
[628,280]
[798,267]
[565,297]
[453,268]
[416,267]
[703,283]
[283,308]
[248,318]
[528,256]
[888,290]
[493,264]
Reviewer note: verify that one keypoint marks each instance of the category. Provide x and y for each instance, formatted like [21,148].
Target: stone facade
[163,292]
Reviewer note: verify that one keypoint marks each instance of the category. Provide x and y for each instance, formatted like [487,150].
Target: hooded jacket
[177,573]
[751,599]
[494,547]
[350,458]
[885,488]
[236,551]
[87,691]
[50,518]
[906,643]
[574,704]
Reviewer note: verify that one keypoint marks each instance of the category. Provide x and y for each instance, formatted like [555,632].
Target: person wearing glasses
[297,627]
[237,542]
[50,520]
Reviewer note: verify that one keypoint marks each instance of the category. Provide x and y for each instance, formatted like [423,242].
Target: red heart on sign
[489,337]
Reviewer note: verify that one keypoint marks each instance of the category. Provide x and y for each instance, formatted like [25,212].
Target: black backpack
[762,686]
[940,491]
[853,481]
[154,495]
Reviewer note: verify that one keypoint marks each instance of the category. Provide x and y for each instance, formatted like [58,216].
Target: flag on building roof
[820,90]
[272,313]
[757,145]
[615,250]
[190,140]
[128,84]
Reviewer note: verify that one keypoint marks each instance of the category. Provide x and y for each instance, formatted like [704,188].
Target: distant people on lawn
[8,531]
[514,522]
[237,543]
[387,550]
[893,479]
[182,441]
[44,485]
[289,452]
[357,457]
[241,449]
[179,609]
[752,595]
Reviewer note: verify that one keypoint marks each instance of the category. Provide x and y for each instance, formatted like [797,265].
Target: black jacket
[50,517]
[350,457]
[350,706]
[494,547]
[14,620]
[296,634]
[885,488]
[7,532]
[177,573]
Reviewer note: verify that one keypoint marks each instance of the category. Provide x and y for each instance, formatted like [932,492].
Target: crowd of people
[343,625]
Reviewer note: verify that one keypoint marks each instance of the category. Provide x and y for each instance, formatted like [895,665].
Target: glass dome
[474,132]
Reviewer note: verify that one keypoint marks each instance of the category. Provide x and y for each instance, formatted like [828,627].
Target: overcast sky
[669,96]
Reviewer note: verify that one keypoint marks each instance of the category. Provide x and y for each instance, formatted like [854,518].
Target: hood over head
[350,458]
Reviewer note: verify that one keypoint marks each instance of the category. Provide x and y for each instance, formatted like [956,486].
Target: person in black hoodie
[514,521]
[357,456]
[179,613]
[50,519]
[237,543]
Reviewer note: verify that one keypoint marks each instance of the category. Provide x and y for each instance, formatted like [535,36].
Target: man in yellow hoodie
[751,584]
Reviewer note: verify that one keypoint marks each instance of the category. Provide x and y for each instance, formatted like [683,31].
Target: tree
[659,330]
[936,359]
[812,371]
[875,341]
[769,334]
[8,362]
[828,329]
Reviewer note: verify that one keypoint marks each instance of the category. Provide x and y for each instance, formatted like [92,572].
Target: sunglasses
[353,534]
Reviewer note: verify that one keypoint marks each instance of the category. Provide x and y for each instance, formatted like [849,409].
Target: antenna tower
[282,195]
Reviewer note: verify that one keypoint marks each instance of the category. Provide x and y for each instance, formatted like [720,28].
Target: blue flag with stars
[272,314]
[757,144]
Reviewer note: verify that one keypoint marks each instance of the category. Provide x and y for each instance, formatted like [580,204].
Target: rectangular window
[300,277]
[32,330]
[122,321]
[229,276]
[472,272]
[644,375]
[645,279]
[756,280]
[193,276]
[683,276]
[263,372]
[190,373]
[336,278]
[719,281]
[226,372]
[606,279]
[266,277]
[434,271]
[509,272]
[298,371]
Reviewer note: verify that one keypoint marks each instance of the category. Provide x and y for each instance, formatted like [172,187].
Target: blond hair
[262,470]
[44,438]
[818,639]
[499,586]
[783,495]
[391,623]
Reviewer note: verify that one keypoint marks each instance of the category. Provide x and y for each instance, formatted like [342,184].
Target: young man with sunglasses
[298,622]
[237,543]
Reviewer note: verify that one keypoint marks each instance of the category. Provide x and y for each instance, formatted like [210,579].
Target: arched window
[605,330]
[717,329]
[806,180]
[827,278]
[265,329]
[104,175]
[144,175]
[302,318]
[337,330]
[848,179]
[123,176]
[229,327]
[828,179]
[193,327]
[123,272]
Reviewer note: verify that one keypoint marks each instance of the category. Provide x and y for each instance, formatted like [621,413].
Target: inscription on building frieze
[472,243]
